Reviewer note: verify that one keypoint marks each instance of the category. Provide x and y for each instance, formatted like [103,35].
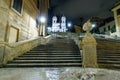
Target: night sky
[79,11]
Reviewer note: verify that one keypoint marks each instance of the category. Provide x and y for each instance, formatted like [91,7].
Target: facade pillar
[116,23]
[89,53]
[117,19]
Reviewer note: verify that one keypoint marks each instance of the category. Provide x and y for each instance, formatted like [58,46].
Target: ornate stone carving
[87,26]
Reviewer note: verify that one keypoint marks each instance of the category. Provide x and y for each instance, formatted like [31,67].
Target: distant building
[108,29]
[59,27]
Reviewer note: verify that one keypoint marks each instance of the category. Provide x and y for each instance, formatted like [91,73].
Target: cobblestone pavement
[58,74]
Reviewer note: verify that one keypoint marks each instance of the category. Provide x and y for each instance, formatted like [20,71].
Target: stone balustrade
[9,51]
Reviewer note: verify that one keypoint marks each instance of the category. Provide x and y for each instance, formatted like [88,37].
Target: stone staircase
[57,53]
[108,53]
[109,59]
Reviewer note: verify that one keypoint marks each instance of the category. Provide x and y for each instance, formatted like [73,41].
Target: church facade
[59,27]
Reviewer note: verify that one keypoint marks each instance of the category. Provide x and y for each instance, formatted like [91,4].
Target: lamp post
[95,28]
[42,20]
[93,25]
[69,25]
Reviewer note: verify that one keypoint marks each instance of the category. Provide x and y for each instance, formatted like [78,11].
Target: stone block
[89,51]
[1,54]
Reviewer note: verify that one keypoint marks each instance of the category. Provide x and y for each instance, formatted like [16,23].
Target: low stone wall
[46,39]
[76,38]
[9,51]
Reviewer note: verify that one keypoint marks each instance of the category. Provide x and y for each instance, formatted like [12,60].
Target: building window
[113,29]
[38,4]
[17,5]
[104,29]
[118,12]
[108,28]
[37,23]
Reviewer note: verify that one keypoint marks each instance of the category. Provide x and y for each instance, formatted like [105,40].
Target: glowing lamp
[42,19]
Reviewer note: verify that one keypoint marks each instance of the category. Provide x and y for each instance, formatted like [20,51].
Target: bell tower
[63,24]
[54,21]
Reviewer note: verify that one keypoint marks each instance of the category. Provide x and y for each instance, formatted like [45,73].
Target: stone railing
[9,51]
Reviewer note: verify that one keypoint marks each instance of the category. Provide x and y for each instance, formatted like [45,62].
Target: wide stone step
[106,58]
[108,51]
[46,61]
[57,46]
[50,55]
[108,62]
[43,65]
[108,54]
[37,51]
[78,57]
[109,66]
[48,58]
[64,48]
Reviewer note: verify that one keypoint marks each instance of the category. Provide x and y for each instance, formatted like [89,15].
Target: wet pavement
[58,74]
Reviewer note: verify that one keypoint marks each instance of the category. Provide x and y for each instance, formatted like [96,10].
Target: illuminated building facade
[59,27]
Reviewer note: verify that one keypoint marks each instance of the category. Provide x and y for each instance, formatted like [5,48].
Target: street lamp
[69,24]
[93,25]
[42,21]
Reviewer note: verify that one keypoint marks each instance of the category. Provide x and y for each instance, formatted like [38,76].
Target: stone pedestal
[89,51]
[89,54]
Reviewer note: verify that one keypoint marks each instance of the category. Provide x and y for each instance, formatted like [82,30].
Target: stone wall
[25,22]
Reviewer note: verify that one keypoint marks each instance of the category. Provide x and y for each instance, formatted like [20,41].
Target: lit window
[17,5]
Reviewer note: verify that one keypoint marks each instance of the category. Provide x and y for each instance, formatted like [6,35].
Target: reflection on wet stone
[58,74]
[53,74]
